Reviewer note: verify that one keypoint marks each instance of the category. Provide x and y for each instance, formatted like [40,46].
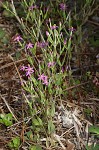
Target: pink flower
[23,68]
[47,33]
[44,79]
[50,64]
[63,6]
[33,7]
[65,41]
[72,29]
[41,77]
[53,27]
[45,82]
[18,38]
[65,68]
[42,44]
[29,45]
[29,70]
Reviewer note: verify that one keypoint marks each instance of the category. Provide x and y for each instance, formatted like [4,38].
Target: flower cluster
[29,70]
[44,79]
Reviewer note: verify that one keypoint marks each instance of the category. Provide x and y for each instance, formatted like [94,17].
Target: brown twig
[75,86]
[8,107]
[92,22]
[10,64]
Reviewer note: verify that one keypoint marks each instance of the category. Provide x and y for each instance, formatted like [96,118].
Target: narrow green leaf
[51,127]
[94,129]
[2,33]
[16,142]
[52,109]
[37,122]
[37,147]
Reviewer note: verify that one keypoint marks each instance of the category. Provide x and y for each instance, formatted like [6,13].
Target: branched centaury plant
[46,81]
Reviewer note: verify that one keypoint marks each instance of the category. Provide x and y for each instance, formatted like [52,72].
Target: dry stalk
[8,107]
